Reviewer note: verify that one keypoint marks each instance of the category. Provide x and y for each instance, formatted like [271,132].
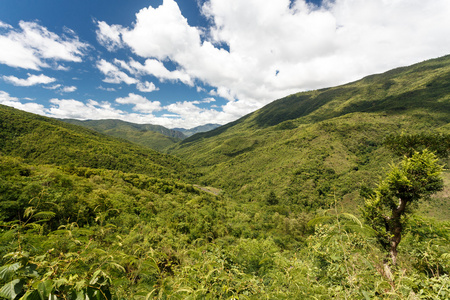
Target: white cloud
[93,110]
[106,89]
[141,104]
[109,36]
[34,47]
[4,25]
[31,80]
[161,32]
[281,47]
[68,89]
[146,87]
[53,87]
[113,73]
[156,68]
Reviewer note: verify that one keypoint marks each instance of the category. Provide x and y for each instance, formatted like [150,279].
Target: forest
[339,193]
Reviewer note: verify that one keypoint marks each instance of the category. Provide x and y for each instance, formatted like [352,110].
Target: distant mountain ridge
[198,129]
[153,136]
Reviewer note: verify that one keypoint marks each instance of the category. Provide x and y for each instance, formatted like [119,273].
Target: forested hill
[42,140]
[309,147]
[152,136]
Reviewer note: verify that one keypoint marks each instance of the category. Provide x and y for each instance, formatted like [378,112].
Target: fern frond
[44,215]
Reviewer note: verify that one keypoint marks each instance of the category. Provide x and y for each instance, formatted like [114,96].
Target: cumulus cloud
[282,46]
[109,36]
[146,87]
[114,74]
[34,47]
[31,80]
[68,89]
[156,68]
[140,103]
[92,110]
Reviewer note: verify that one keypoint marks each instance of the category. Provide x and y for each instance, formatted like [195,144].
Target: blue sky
[187,63]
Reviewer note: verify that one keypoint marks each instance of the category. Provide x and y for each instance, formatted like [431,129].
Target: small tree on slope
[416,177]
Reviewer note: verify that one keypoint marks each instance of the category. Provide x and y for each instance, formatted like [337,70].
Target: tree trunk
[396,229]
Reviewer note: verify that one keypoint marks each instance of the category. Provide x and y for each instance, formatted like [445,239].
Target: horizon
[183,64]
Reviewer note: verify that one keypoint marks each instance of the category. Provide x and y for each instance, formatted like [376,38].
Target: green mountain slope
[42,140]
[310,147]
[152,136]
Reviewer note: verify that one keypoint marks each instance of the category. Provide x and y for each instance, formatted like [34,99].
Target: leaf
[45,288]
[12,289]
[28,211]
[31,295]
[7,271]
[117,267]
[353,218]
[30,270]
[44,215]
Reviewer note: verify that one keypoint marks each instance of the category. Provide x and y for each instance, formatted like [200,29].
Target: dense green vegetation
[47,141]
[267,207]
[152,136]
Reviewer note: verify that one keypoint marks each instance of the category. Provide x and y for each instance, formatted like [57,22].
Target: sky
[185,63]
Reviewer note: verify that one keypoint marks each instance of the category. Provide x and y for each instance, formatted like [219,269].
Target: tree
[416,177]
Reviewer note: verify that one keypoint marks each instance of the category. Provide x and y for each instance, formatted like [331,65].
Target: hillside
[152,136]
[313,146]
[42,140]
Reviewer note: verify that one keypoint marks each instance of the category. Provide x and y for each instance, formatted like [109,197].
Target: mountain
[311,147]
[198,129]
[42,140]
[152,136]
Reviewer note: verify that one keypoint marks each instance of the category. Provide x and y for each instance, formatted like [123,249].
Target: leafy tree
[414,178]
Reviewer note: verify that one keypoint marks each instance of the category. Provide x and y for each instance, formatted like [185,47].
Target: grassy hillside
[42,140]
[310,147]
[152,136]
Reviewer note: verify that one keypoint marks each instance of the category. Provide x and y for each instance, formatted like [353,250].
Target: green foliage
[43,140]
[415,178]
